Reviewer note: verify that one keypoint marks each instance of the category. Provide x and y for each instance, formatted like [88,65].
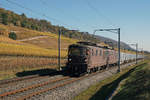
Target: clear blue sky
[132,16]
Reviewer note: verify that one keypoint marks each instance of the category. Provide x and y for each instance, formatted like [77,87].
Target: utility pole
[116,31]
[118,49]
[59,52]
[136,45]
[143,54]
[59,47]
[136,52]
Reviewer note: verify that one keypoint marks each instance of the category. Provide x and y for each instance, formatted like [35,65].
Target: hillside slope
[11,18]
[45,46]
[32,55]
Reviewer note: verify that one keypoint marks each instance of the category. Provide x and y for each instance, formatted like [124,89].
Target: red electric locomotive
[87,57]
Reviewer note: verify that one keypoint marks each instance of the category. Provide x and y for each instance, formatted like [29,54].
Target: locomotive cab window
[77,51]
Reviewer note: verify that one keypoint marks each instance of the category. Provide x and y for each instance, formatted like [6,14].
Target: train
[87,57]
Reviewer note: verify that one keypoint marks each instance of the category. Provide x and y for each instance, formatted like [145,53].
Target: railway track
[27,92]
[36,89]
[14,81]
[21,91]
[17,79]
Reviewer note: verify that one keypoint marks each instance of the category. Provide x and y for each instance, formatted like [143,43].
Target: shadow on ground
[106,91]
[41,72]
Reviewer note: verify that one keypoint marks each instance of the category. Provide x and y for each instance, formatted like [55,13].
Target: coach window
[106,53]
[96,52]
[110,53]
[100,53]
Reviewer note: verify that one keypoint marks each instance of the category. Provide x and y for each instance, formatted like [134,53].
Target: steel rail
[31,87]
[46,83]
[23,78]
[60,85]
[54,87]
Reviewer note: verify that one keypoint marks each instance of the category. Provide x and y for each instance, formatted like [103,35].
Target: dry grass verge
[11,65]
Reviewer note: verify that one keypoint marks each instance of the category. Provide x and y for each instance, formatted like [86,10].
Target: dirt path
[32,38]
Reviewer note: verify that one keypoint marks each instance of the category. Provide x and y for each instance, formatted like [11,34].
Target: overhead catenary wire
[11,8]
[41,14]
[62,11]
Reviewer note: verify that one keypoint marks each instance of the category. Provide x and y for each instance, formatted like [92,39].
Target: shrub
[13,35]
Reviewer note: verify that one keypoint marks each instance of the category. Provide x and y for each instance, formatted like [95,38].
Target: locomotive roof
[85,44]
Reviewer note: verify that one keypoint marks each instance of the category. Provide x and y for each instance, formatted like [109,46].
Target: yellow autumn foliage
[28,50]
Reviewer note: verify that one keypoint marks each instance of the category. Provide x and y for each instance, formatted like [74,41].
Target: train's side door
[88,55]
[107,57]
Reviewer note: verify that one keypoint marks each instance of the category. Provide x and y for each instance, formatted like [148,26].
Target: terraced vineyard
[32,53]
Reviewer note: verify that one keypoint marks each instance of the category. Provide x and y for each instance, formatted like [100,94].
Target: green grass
[136,86]
[104,88]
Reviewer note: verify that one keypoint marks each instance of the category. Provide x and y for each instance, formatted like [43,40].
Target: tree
[23,15]
[13,35]
[5,18]
[10,18]
[24,23]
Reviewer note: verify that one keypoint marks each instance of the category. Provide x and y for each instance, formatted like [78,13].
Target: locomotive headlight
[70,59]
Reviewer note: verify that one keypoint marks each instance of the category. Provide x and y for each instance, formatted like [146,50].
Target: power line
[37,13]
[60,10]
[11,8]
[99,13]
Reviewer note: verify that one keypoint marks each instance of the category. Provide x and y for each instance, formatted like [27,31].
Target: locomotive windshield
[77,51]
